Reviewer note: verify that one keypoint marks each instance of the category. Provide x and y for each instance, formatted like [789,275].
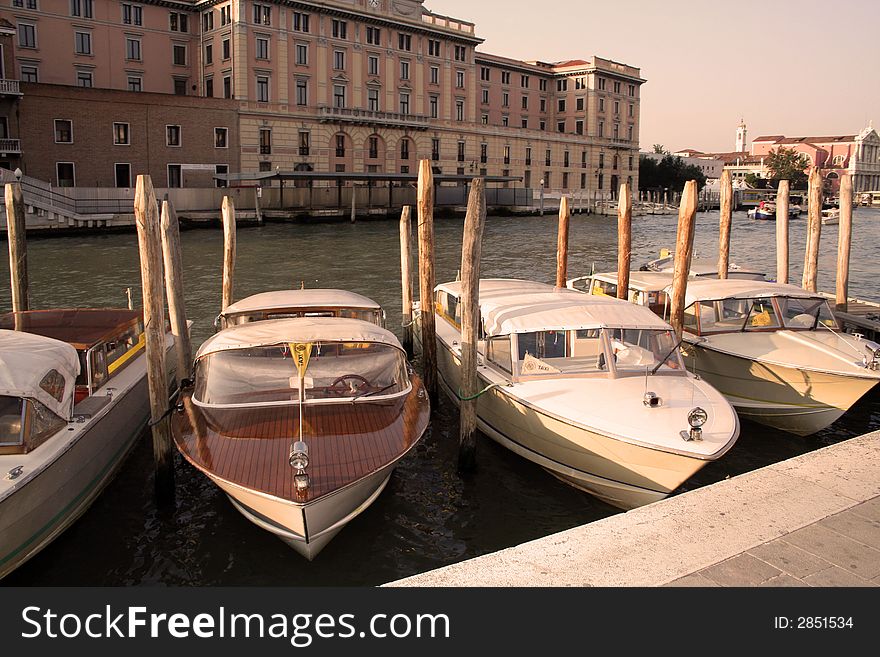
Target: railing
[356,115]
[449,23]
[9,87]
[10,146]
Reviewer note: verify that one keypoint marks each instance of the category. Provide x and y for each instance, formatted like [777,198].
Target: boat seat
[90,406]
[803,320]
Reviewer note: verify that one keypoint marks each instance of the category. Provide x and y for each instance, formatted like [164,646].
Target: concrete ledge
[670,539]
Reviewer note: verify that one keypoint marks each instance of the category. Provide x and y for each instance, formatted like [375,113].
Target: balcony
[368,117]
[9,88]
[448,23]
[10,147]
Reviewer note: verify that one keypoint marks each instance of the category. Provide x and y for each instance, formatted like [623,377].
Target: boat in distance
[301,420]
[592,390]
[73,401]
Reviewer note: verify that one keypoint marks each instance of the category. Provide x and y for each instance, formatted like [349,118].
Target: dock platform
[813,520]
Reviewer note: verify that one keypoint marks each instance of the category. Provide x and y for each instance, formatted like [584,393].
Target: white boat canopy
[296,330]
[312,298]
[34,367]
[515,306]
[732,288]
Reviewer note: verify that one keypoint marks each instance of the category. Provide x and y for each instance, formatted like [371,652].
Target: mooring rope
[479,394]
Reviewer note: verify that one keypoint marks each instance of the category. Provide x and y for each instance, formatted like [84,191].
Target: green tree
[787,164]
[660,149]
[668,173]
[755,182]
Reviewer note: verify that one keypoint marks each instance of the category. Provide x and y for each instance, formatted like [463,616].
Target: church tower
[741,133]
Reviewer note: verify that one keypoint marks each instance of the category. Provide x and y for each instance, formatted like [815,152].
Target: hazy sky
[792,67]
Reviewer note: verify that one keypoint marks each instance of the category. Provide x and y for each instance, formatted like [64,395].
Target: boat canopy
[296,330]
[648,281]
[731,288]
[40,368]
[515,306]
[313,298]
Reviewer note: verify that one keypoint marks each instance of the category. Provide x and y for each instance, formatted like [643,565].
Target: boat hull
[795,400]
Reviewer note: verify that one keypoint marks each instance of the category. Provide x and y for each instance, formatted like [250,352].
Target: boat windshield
[331,372]
[805,313]
[636,350]
[737,315]
[11,420]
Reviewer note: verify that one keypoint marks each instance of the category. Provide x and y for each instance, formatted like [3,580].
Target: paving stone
[782,580]
[856,527]
[835,576]
[789,558]
[695,579]
[859,559]
[741,570]
[869,509]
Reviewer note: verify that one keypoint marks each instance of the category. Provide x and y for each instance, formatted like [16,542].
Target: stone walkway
[813,520]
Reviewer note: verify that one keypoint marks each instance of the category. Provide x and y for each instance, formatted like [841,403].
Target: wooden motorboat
[700,268]
[831,216]
[73,401]
[773,350]
[591,389]
[300,421]
[281,304]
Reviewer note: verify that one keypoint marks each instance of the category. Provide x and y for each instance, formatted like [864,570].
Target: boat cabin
[646,288]
[286,304]
[532,331]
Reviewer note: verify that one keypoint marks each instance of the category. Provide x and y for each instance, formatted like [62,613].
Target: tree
[668,173]
[755,182]
[660,149]
[787,164]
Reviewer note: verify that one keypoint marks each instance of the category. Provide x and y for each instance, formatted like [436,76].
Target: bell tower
[741,134]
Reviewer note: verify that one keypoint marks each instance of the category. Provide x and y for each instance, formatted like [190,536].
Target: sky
[789,67]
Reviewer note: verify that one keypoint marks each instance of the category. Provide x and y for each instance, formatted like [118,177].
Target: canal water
[428,516]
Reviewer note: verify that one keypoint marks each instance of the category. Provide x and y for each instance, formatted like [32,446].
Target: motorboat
[312,302]
[767,211]
[830,216]
[702,268]
[301,420]
[773,350]
[592,389]
[73,401]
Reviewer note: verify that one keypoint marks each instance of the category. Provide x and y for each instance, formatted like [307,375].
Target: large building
[334,86]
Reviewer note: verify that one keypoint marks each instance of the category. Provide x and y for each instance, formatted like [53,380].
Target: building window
[208,21]
[340,145]
[340,168]
[302,93]
[505,99]
[224,46]
[29,73]
[339,95]
[632,90]
[300,22]
[178,54]
[617,107]
[561,104]
[82,8]
[485,73]
[340,29]
[302,54]
[524,122]
[543,104]
[265,141]
[374,36]
[459,79]
[616,87]
[82,43]
[404,70]
[263,88]
[404,103]
[180,86]
[461,146]
[262,47]
[579,127]
[221,169]
[601,84]
[565,180]
[484,96]
[84,79]
[304,142]
[404,149]
[505,120]
[524,81]
[601,160]
[629,133]
[601,104]
[226,14]
[528,156]
[373,148]
[133,49]
[601,184]
[132,14]
[372,65]
[209,54]
[566,159]
[542,84]
[583,181]
[262,14]
[579,104]
[580,83]
[542,125]
[27,35]
[505,77]
[615,131]
[630,163]
[339,60]
[460,53]
[221,137]
[65,174]
[63,131]
[601,129]
[172,135]
[484,153]
[631,112]
[525,102]
[265,166]
[459,110]
[484,119]
[507,155]
[562,85]
[583,159]
[404,42]
[122,174]
[560,126]
[121,135]
[433,48]
[135,83]
[178,22]
[373,100]
[547,155]
[175,176]
[435,150]
[546,180]
[227,86]
[434,106]
[435,75]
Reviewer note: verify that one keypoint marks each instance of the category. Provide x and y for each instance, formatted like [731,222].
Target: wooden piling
[811,261]
[257,209]
[174,290]
[146,213]
[228,211]
[353,204]
[726,206]
[471,252]
[426,277]
[684,251]
[406,279]
[128,296]
[624,241]
[562,242]
[782,232]
[844,240]
[16,227]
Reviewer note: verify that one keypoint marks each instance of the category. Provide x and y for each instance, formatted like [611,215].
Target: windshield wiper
[374,392]
[671,351]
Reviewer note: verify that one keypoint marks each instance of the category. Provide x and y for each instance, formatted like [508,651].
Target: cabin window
[604,288]
[640,350]
[804,313]
[53,383]
[41,424]
[544,353]
[25,425]
[11,422]
[499,352]
[119,347]
[448,306]
[737,315]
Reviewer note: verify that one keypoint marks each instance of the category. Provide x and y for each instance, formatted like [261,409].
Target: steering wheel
[345,377]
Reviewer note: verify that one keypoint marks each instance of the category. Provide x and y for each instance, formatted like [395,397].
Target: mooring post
[844,240]
[17,235]
[228,211]
[726,208]
[174,290]
[146,213]
[782,232]
[406,291]
[257,209]
[562,242]
[811,262]
[624,241]
[471,252]
[128,295]
[426,278]
[684,251]
[353,204]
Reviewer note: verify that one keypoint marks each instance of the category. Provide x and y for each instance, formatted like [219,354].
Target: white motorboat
[593,390]
[301,421]
[73,401]
[702,268]
[831,216]
[313,302]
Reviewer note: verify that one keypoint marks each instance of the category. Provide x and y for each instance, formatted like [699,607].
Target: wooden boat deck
[80,327]
[250,447]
